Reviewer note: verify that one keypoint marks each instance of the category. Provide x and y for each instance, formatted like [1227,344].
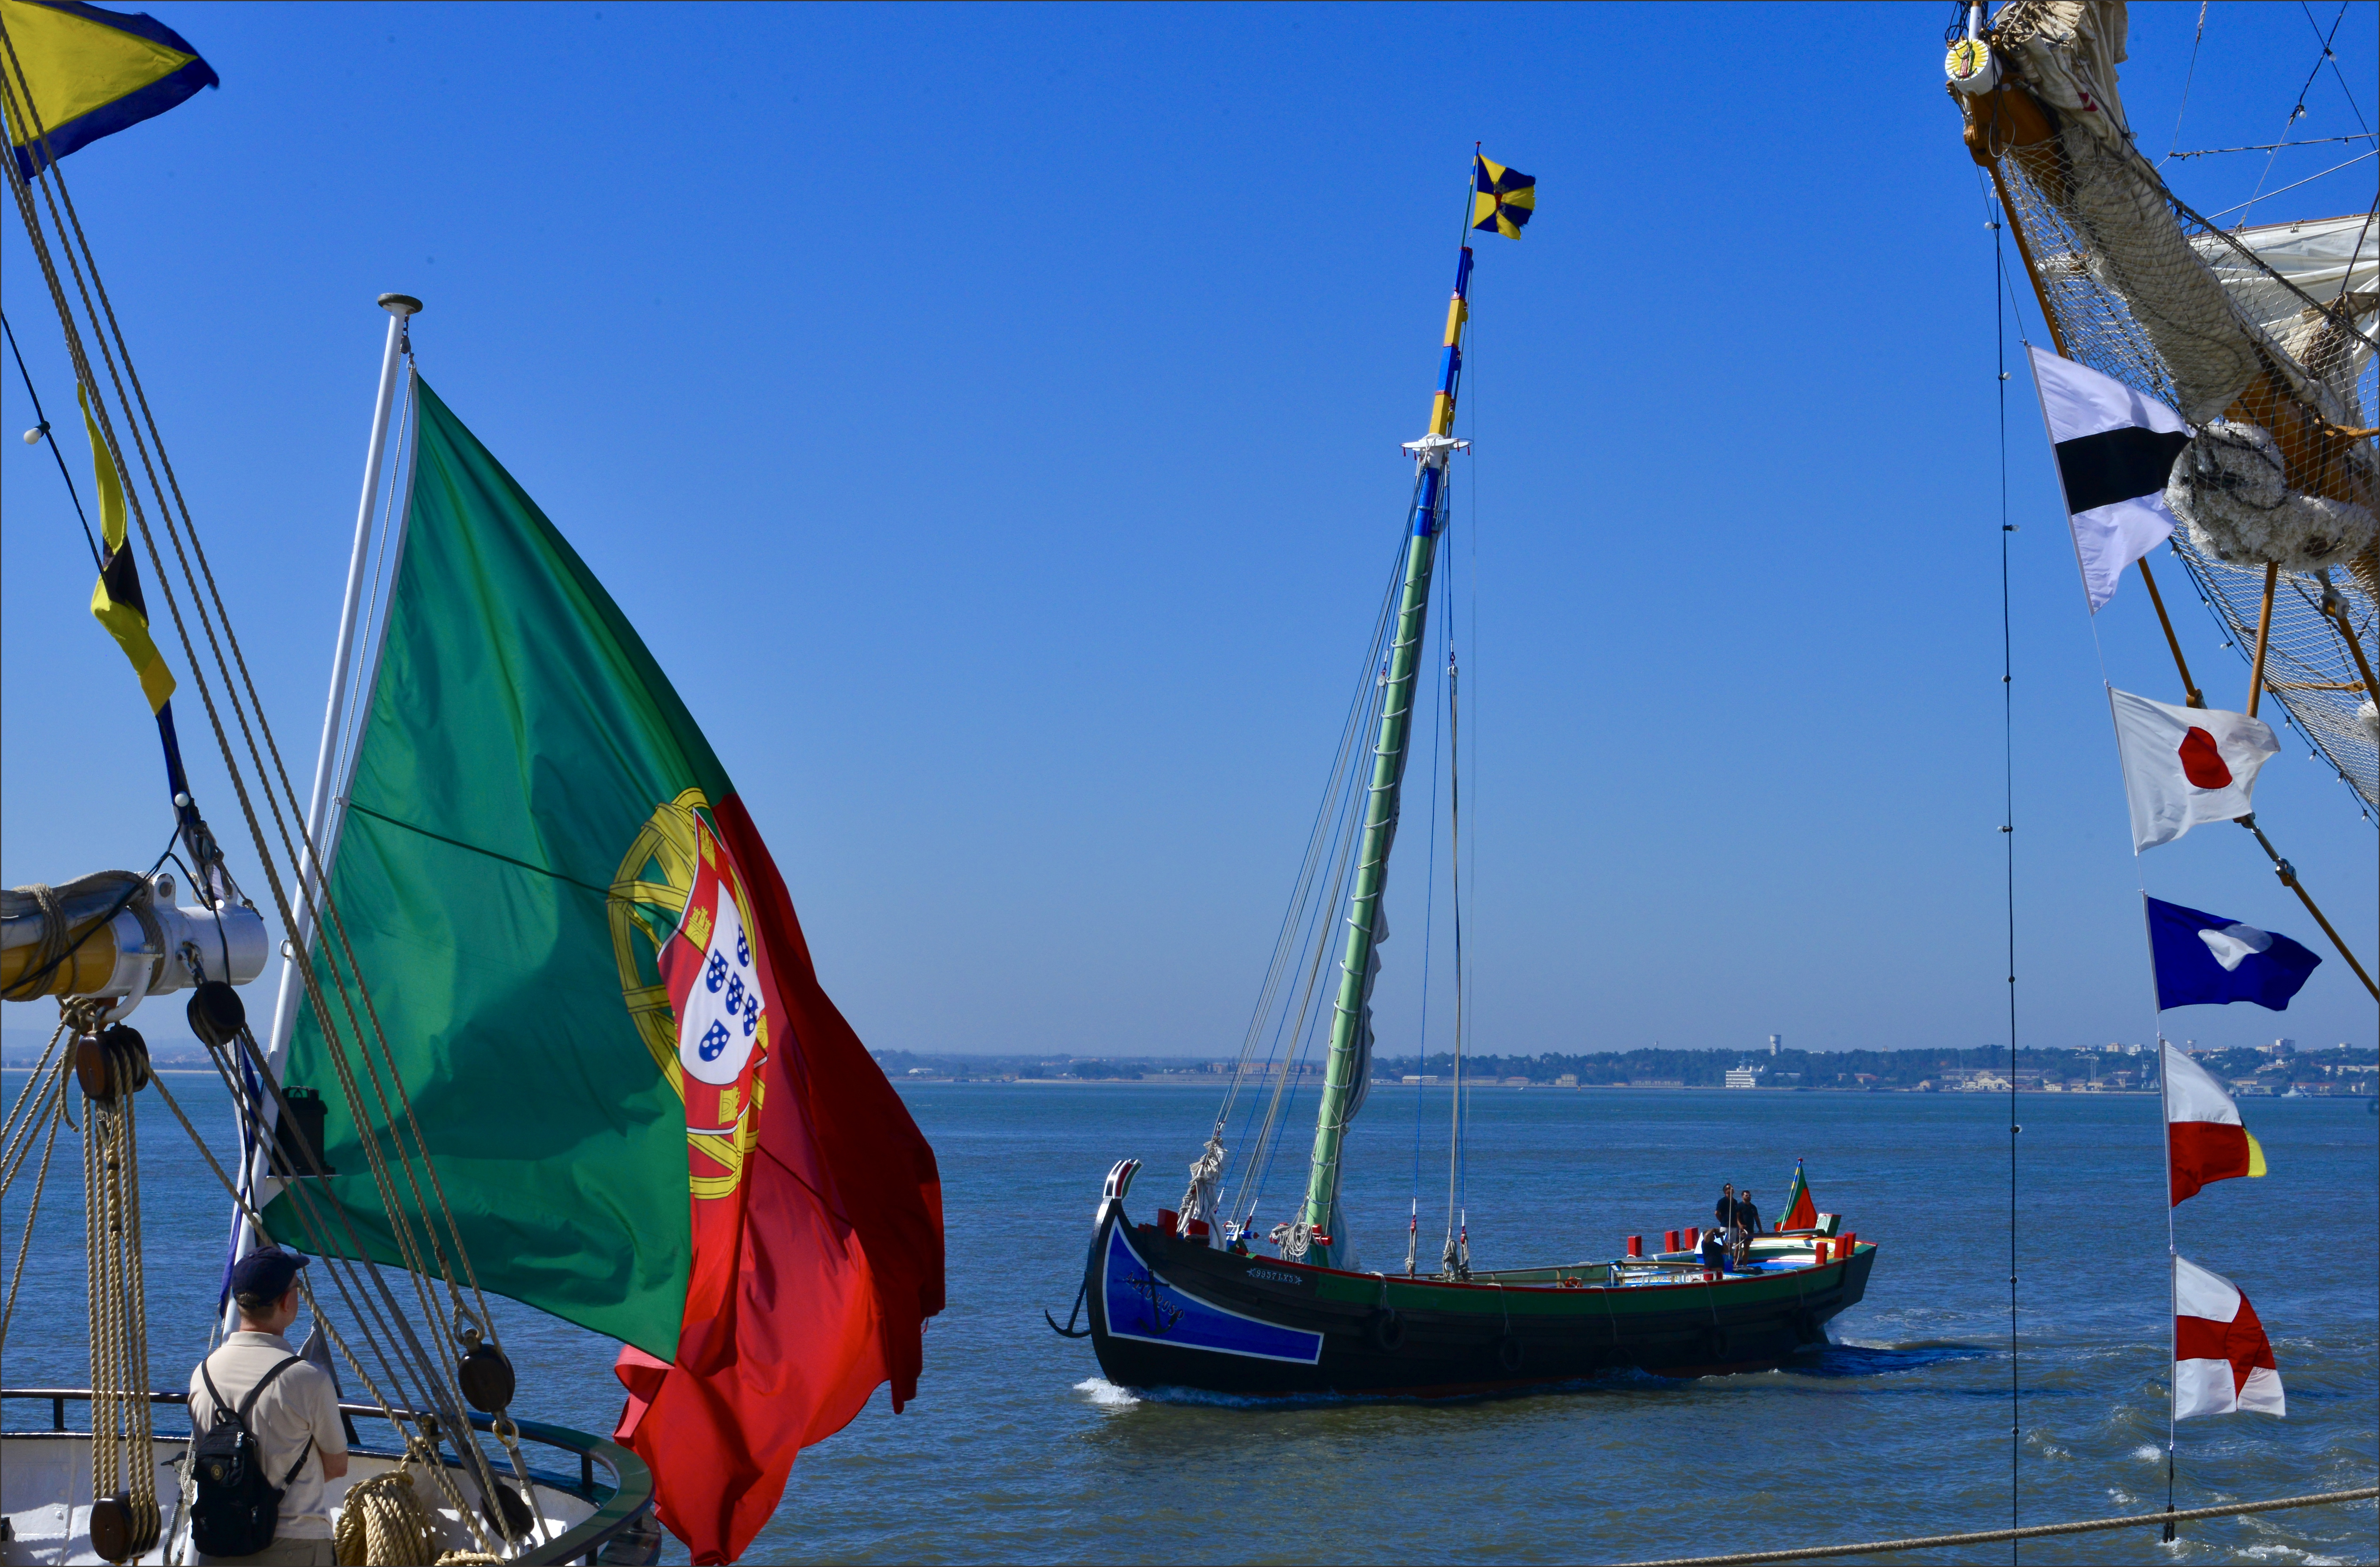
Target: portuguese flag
[1800,1214]
[644,1113]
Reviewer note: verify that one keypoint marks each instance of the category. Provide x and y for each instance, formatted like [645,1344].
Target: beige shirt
[300,1403]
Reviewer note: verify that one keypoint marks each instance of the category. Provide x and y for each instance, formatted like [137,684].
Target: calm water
[1014,1449]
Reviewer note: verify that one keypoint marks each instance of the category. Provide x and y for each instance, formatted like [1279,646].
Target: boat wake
[1106,1394]
[1852,1358]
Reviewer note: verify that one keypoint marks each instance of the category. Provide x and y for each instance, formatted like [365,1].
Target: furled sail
[2261,338]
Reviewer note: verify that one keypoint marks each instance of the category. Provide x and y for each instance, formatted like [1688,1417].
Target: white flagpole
[285,1010]
[400,307]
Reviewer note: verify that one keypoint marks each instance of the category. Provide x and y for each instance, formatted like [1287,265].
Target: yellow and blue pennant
[115,600]
[1502,200]
[92,73]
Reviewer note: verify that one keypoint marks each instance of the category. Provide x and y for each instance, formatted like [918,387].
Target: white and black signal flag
[2115,448]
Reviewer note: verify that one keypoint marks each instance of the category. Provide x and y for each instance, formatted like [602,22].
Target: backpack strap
[239,1413]
[216,1393]
[303,1453]
[262,1383]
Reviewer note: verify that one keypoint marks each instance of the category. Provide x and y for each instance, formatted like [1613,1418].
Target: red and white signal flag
[2222,1362]
[2183,766]
[2205,1140]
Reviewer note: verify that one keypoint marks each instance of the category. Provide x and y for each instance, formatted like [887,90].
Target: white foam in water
[2148,1452]
[1107,1394]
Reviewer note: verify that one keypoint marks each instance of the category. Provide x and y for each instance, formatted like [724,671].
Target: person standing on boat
[1718,1241]
[1747,1225]
[295,1419]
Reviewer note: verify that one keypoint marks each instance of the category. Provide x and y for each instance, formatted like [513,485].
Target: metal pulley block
[111,1063]
[485,1373]
[216,1013]
[123,1526]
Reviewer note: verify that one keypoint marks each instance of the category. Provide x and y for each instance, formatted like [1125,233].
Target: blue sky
[990,417]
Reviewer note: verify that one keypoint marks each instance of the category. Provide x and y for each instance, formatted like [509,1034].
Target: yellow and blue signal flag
[1503,198]
[92,73]
[117,603]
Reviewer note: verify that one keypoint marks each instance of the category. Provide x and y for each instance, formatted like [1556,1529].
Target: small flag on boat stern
[2115,449]
[1801,1212]
[1503,200]
[2204,1138]
[2183,766]
[91,74]
[2204,959]
[2222,1362]
[647,1116]
[115,600]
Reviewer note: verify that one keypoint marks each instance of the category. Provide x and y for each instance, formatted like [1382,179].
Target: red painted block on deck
[1670,1239]
[1635,1246]
[1694,1239]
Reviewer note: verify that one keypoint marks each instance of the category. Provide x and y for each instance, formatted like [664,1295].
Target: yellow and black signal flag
[92,73]
[1503,198]
[115,603]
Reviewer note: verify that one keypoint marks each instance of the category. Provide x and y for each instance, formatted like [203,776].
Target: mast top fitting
[399,305]
[1432,451]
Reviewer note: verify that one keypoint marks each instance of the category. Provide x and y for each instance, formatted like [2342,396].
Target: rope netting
[2187,314]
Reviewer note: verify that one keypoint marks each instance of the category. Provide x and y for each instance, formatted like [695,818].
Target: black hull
[1168,1313]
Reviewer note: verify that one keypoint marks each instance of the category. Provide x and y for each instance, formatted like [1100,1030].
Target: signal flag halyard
[1503,200]
[92,73]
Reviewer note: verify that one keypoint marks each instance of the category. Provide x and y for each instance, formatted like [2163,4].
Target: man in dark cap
[295,1419]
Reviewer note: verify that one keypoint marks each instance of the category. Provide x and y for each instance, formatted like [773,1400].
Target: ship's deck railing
[617,1505]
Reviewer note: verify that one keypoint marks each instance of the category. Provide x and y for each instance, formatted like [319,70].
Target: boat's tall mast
[1351,1019]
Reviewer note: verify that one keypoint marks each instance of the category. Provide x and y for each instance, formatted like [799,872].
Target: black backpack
[237,1507]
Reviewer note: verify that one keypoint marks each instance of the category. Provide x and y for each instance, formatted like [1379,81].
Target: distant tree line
[1882,1069]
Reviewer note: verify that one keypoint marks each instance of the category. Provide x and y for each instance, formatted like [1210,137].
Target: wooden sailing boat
[1181,1300]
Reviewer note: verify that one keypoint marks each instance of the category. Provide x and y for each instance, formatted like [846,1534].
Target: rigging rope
[113,1067]
[2039,1531]
[2007,834]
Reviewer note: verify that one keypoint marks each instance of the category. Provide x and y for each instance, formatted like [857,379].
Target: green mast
[1350,1065]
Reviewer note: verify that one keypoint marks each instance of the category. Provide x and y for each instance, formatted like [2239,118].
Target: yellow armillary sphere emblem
[648,894]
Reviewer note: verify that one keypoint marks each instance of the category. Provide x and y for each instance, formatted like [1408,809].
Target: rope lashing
[2036,1531]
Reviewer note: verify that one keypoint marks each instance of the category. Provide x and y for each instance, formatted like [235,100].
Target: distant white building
[1776,1043]
[1744,1077]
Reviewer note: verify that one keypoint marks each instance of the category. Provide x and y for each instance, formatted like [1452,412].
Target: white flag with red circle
[2222,1362]
[2183,766]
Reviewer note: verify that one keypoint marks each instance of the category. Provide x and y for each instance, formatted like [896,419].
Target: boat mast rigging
[1318,1234]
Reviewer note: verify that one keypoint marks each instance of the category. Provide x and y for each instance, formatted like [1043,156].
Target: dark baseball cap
[263,1277]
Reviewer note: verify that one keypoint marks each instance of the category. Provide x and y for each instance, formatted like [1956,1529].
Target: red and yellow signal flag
[91,73]
[1503,200]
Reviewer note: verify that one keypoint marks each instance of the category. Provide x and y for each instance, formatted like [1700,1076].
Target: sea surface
[1016,1450]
